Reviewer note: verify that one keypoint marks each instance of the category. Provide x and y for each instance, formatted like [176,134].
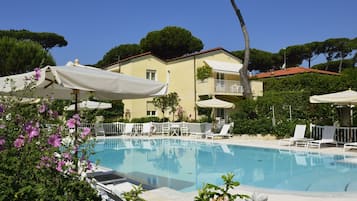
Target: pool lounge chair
[350,145]
[146,129]
[328,137]
[128,129]
[299,135]
[99,130]
[223,134]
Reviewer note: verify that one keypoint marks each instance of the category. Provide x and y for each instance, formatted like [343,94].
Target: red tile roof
[293,71]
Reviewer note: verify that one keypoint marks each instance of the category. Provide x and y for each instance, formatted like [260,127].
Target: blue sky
[92,28]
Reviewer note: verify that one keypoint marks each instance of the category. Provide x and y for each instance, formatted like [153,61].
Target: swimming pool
[186,165]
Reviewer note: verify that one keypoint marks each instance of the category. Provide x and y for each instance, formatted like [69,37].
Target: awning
[224,67]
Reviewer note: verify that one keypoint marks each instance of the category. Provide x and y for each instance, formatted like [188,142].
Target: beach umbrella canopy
[348,97]
[81,82]
[89,105]
[214,103]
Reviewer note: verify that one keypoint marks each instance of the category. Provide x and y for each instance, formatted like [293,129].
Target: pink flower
[2,126]
[76,117]
[66,155]
[89,165]
[85,132]
[37,73]
[42,108]
[71,123]
[45,162]
[19,142]
[54,140]
[32,131]
[60,164]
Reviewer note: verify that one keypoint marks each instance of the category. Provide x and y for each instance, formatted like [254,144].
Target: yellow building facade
[181,74]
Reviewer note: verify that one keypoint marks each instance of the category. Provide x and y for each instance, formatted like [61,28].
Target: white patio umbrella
[89,105]
[80,82]
[348,98]
[214,104]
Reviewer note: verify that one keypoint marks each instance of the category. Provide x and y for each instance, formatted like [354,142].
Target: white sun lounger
[299,135]
[128,129]
[328,137]
[146,129]
[350,145]
[224,132]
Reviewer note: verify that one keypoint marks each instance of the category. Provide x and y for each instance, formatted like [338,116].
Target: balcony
[212,86]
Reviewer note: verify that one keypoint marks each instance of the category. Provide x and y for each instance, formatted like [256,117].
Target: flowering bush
[40,154]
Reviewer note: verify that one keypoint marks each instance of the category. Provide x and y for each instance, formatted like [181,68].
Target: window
[151,74]
[220,79]
[150,109]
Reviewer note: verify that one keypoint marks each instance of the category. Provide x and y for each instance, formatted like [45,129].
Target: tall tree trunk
[247,91]
[341,62]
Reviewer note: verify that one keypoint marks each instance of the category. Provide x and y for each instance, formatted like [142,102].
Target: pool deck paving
[167,194]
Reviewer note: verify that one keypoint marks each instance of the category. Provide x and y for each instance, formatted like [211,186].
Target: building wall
[182,79]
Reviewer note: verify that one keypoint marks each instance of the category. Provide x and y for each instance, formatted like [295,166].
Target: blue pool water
[186,165]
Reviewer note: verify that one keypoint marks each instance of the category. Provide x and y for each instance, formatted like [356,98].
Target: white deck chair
[99,130]
[350,145]
[224,132]
[146,129]
[128,129]
[328,137]
[299,134]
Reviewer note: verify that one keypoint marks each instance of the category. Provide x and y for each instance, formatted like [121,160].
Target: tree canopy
[21,56]
[171,42]
[119,52]
[335,50]
[261,60]
[45,39]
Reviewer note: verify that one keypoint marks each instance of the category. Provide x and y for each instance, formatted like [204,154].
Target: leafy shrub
[133,194]
[212,192]
[204,72]
[40,154]
[145,119]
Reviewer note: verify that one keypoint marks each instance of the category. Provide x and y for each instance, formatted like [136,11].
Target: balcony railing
[228,86]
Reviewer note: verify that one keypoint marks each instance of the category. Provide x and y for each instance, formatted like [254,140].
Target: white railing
[228,86]
[342,134]
[117,128]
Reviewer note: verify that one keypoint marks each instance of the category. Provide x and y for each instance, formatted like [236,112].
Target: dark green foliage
[204,72]
[171,42]
[261,60]
[118,53]
[168,101]
[45,39]
[291,94]
[213,192]
[21,56]
[334,65]
[145,119]
[133,194]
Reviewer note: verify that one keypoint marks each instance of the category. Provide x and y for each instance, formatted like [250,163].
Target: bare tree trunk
[340,65]
[247,91]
